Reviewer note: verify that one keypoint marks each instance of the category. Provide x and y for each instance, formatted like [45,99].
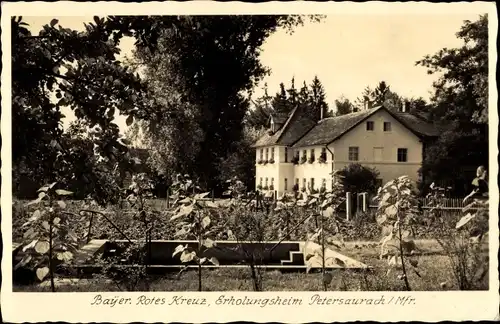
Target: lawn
[434,270]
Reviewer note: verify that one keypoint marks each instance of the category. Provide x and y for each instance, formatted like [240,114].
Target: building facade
[302,152]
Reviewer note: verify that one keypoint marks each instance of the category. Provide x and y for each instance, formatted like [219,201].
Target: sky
[346,52]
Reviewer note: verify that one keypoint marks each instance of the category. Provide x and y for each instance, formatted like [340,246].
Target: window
[304,182]
[260,182]
[261,154]
[312,154]
[286,184]
[272,181]
[266,182]
[272,153]
[323,182]
[312,183]
[353,153]
[297,181]
[402,155]
[267,154]
[369,126]
[286,155]
[387,126]
[304,153]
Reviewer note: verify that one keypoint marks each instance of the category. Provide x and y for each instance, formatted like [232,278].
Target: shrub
[357,178]
[463,242]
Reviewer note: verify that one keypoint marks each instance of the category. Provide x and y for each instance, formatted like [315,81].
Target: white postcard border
[77,307]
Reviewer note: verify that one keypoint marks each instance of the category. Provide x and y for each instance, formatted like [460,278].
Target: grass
[434,270]
[433,266]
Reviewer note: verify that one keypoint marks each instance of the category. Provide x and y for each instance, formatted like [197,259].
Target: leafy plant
[311,160]
[303,159]
[295,159]
[326,230]
[49,241]
[397,212]
[271,161]
[193,221]
[357,178]
[138,251]
[322,157]
[463,242]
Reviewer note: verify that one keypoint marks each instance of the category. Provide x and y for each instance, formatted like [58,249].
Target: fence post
[348,202]
[364,202]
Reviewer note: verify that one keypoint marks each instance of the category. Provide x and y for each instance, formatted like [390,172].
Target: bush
[357,178]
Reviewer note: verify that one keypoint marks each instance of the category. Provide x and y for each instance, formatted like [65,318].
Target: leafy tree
[199,76]
[259,116]
[241,161]
[366,95]
[464,71]
[459,104]
[344,106]
[59,68]
[381,95]
[357,178]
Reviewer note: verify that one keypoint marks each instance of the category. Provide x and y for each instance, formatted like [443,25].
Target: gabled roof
[279,118]
[330,129]
[296,126]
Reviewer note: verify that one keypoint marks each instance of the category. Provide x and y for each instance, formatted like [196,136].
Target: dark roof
[279,118]
[417,124]
[296,126]
[329,129]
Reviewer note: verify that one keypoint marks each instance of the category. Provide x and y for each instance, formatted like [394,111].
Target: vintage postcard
[275,162]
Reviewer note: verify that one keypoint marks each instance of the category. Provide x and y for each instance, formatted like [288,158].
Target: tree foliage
[344,106]
[380,95]
[459,104]
[357,178]
[59,68]
[201,75]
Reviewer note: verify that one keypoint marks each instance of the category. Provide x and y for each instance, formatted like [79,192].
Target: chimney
[367,103]
[404,107]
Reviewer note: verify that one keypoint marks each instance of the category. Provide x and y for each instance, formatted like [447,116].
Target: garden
[404,247]
[77,225]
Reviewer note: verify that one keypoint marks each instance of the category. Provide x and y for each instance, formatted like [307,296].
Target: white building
[300,151]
